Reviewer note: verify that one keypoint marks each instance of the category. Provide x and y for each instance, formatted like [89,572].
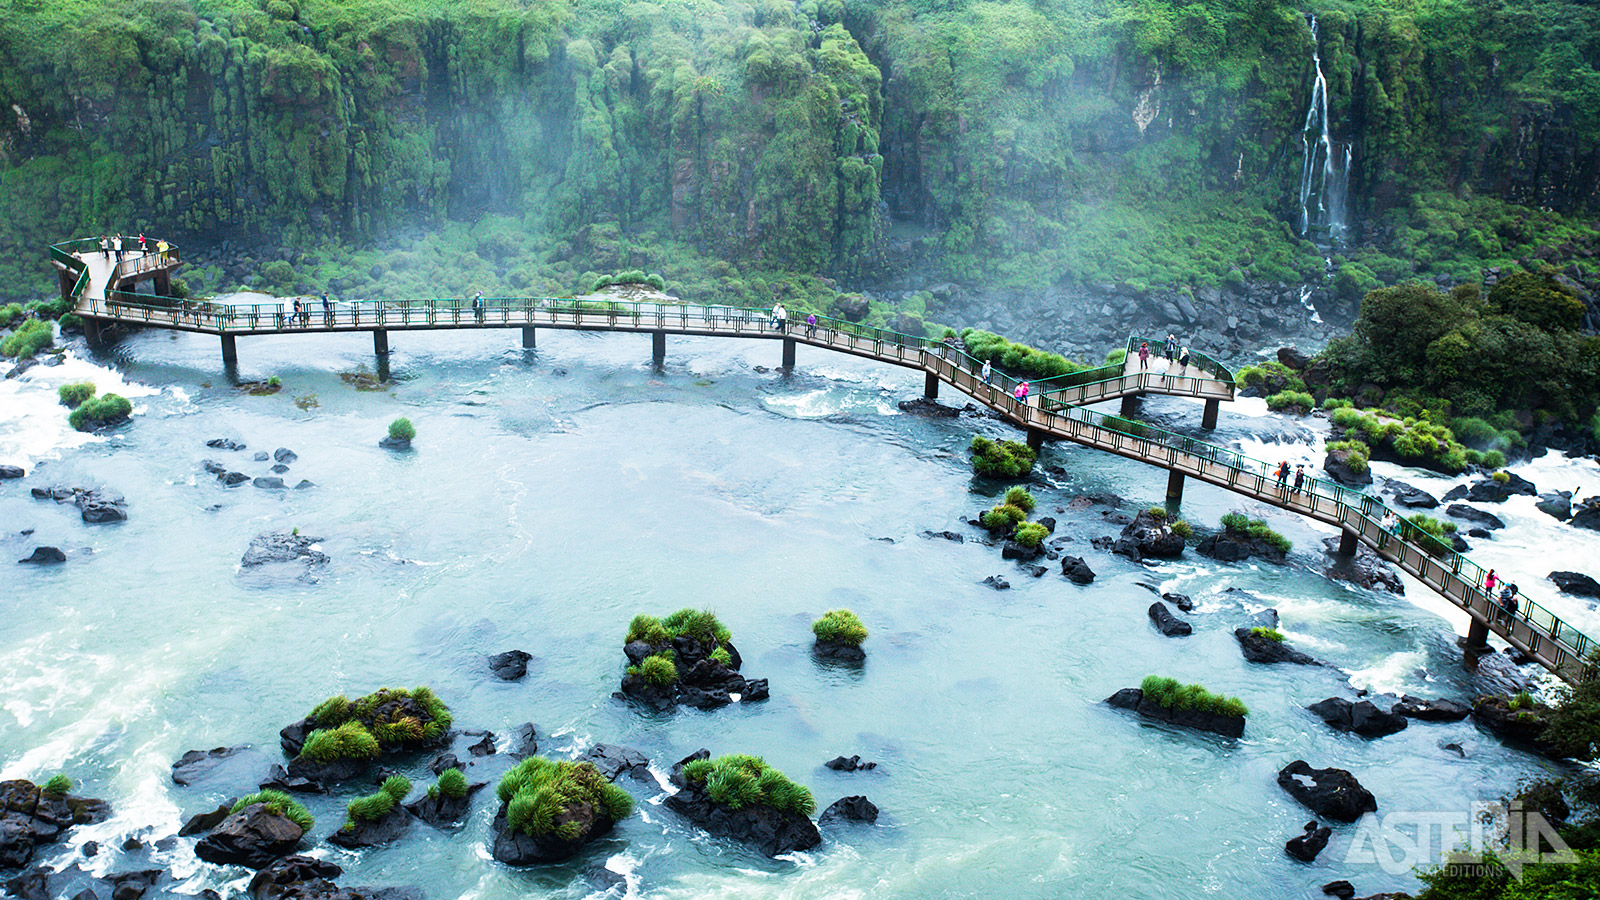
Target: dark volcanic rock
[1150,537]
[703,683]
[510,665]
[1490,491]
[441,811]
[1305,847]
[284,456]
[200,823]
[1341,889]
[849,809]
[1230,546]
[392,443]
[31,817]
[295,877]
[1181,601]
[1366,569]
[1576,583]
[1588,516]
[922,406]
[1431,710]
[838,650]
[1337,465]
[328,773]
[614,761]
[224,444]
[768,830]
[232,479]
[233,770]
[526,736]
[945,535]
[1361,717]
[8,471]
[1523,726]
[1557,504]
[1203,720]
[1259,648]
[269,483]
[45,556]
[1408,496]
[849,764]
[1331,793]
[1469,514]
[996,582]
[377,832]
[1076,570]
[1293,358]
[282,546]
[1014,550]
[251,837]
[1167,623]
[95,506]
[517,849]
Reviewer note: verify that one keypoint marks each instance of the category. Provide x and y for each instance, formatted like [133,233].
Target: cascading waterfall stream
[1325,169]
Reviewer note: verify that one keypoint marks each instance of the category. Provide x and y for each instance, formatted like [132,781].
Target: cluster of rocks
[1365,569]
[1199,719]
[280,460]
[95,505]
[31,817]
[1143,537]
[769,830]
[1233,546]
[702,682]
[283,546]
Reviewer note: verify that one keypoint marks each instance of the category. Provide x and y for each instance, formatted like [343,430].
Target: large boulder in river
[1199,719]
[769,830]
[581,812]
[1514,722]
[1431,710]
[1587,516]
[1490,490]
[1167,623]
[1228,545]
[282,546]
[510,665]
[1260,645]
[1306,846]
[45,556]
[1411,497]
[1149,537]
[361,833]
[1330,793]
[1360,718]
[226,770]
[849,809]
[1557,504]
[9,471]
[1476,516]
[1576,583]
[95,506]
[1076,570]
[32,817]
[253,837]
[1337,465]
[305,878]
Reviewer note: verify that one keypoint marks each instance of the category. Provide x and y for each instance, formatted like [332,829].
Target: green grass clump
[1501,477]
[29,338]
[1240,524]
[71,321]
[73,395]
[700,624]
[722,655]
[541,794]
[1020,498]
[1017,359]
[657,669]
[98,411]
[1337,403]
[632,276]
[1520,700]
[350,740]
[1001,459]
[10,312]
[1030,534]
[840,626]
[1271,634]
[369,808]
[1346,416]
[1494,459]
[396,786]
[452,783]
[385,716]
[737,781]
[1002,519]
[1169,693]
[1360,455]
[1116,357]
[1299,400]
[333,711]
[648,629]
[60,785]
[401,429]
[279,804]
[1182,529]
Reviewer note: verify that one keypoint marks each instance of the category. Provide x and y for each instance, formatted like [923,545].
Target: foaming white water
[830,401]
[33,423]
[1391,674]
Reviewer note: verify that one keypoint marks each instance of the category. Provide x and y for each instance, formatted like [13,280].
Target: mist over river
[552,496]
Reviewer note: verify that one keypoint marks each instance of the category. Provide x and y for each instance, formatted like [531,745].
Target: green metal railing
[133,263]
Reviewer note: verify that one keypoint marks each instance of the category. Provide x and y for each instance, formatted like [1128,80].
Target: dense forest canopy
[433,144]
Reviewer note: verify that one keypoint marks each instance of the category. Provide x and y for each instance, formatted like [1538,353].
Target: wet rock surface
[1576,583]
[1330,793]
[1365,569]
[31,817]
[1361,717]
[252,837]
[849,809]
[510,665]
[282,546]
[771,831]
[1200,719]
[225,769]
[1259,648]
[1167,623]
[95,505]
[1306,846]
[1076,570]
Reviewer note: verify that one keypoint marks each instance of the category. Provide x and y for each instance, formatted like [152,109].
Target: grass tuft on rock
[1169,693]
[350,740]
[1001,459]
[59,784]
[1002,519]
[279,804]
[1271,634]
[452,783]
[73,395]
[393,717]
[840,626]
[1030,534]
[401,429]
[98,411]
[545,798]
[657,669]
[1020,498]
[737,781]
[29,338]
[1242,525]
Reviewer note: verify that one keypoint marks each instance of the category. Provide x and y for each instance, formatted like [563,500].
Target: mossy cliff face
[1055,138]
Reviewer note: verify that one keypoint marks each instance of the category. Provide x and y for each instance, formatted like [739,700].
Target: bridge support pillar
[380,342]
[91,332]
[230,351]
[1208,420]
[1347,543]
[67,282]
[1174,487]
[658,347]
[163,283]
[528,339]
[1130,404]
[788,354]
[930,386]
[1477,633]
[1035,438]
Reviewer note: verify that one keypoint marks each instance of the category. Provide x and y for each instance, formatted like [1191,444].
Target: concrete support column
[1130,404]
[658,347]
[163,283]
[1208,421]
[930,386]
[1347,543]
[1477,633]
[68,279]
[528,339]
[230,351]
[1036,439]
[91,332]
[380,342]
[1174,486]
[788,354]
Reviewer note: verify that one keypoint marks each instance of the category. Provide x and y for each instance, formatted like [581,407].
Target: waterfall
[1325,170]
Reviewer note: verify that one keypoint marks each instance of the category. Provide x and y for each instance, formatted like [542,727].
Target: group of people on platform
[114,243]
[1170,350]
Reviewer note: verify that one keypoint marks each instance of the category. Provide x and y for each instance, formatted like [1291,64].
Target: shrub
[1030,534]
[350,740]
[1359,454]
[384,716]
[657,669]
[368,808]
[737,781]
[1346,417]
[1335,403]
[401,429]
[452,783]
[60,785]
[540,794]
[1501,477]
[1431,526]
[73,395]
[1001,459]
[700,624]
[396,786]
[648,629]
[1020,498]
[333,711]
[1169,694]
[1183,529]
[29,338]
[1494,459]
[279,804]
[840,626]
[1241,524]
[1291,400]
[1271,634]
[722,655]
[10,313]
[274,381]
[1018,359]
[71,322]
[1125,426]
[1002,519]
[97,412]
[1520,700]
[1159,513]
[1116,357]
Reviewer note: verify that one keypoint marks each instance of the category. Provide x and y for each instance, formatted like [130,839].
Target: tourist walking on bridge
[1022,393]
[1508,604]
[1489,581]
[1283,475]
[116,246]
[477,306]
[988,369]
[1299,478]
[811,325]
[1171,348]
[780,318]
[105,247]
[327,310]
[1144,355]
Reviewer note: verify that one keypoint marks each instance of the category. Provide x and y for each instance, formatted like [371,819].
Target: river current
[553,495]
